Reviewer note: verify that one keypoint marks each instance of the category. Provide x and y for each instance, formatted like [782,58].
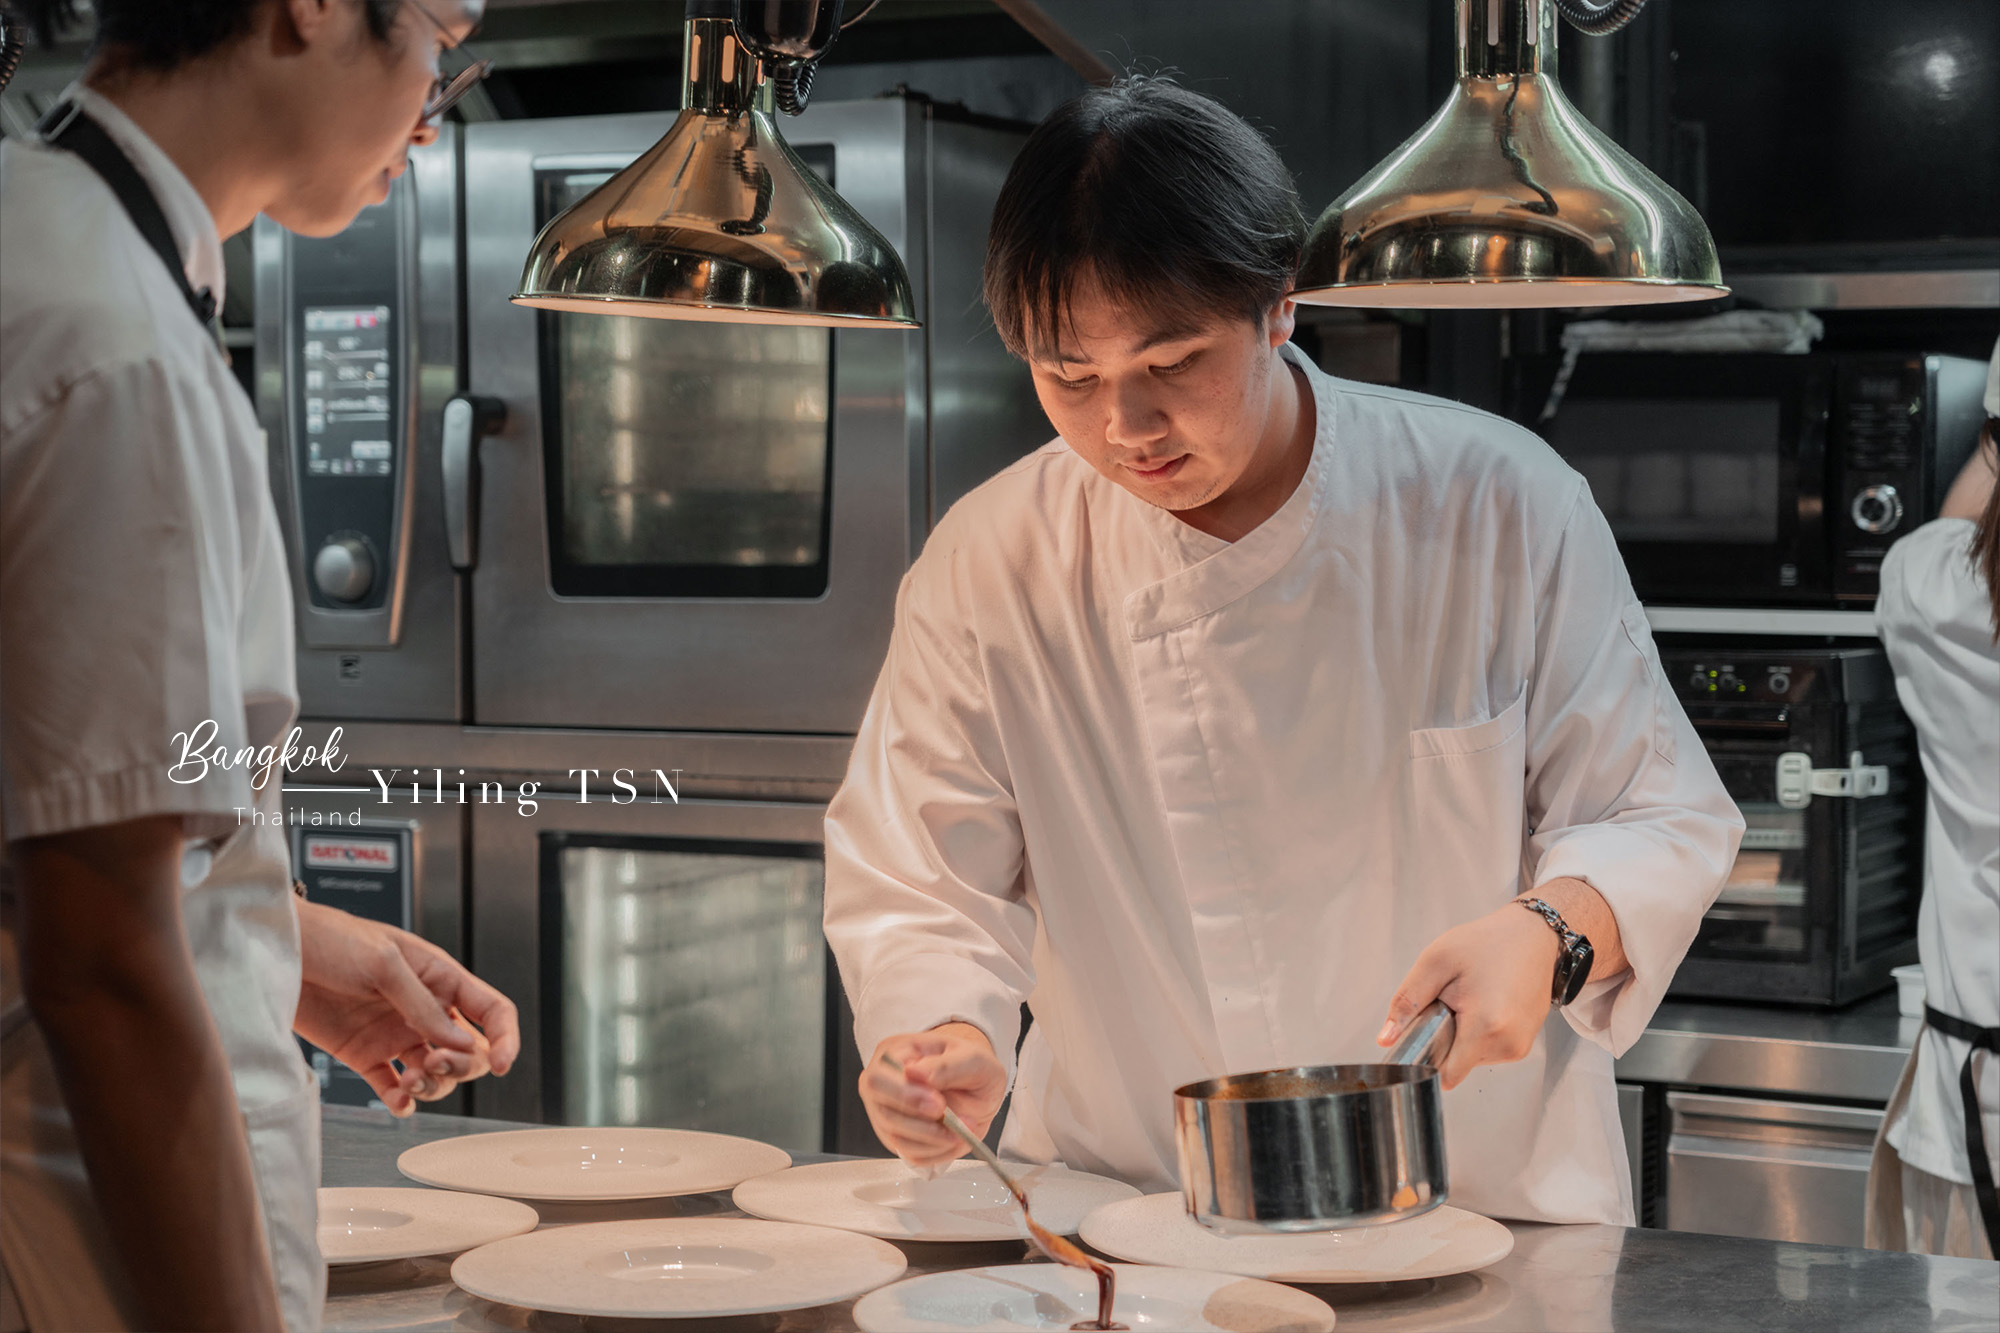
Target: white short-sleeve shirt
[143,593]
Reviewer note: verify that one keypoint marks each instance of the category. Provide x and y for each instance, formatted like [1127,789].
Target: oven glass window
[1761,911]
[684,459]
[1677,470]
[693,988]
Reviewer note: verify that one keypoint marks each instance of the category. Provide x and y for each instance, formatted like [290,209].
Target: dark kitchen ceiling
[1336,84]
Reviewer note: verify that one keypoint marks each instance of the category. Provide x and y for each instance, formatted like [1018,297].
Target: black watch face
[1578,959]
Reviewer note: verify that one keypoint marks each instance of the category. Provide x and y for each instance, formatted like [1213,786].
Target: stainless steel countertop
[1584,1278]
[1854,1053]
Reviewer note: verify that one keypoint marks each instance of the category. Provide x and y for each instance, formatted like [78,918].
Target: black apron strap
[1981,1166]
[67,127]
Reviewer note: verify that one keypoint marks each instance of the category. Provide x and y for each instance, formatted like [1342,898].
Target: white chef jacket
[1202,803]
[1936,623]
[143,590]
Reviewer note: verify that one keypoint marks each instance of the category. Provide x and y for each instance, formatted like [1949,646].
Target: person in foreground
[1233,726]
[159,1131]
[1931,1186]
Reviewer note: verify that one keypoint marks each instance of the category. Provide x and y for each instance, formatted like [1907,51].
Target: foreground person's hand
[953,1065]
[1496,973]
[373,997]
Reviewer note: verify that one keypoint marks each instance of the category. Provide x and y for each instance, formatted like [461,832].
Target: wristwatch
[1573,962]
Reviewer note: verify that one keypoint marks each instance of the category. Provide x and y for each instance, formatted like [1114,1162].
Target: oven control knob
[344,569]
[1877,509]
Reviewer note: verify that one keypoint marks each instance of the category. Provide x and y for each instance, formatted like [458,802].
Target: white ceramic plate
[606,1163]
[676,1268]
[1050,1296]
[883,1197]
[365,1226]
[1157,1230]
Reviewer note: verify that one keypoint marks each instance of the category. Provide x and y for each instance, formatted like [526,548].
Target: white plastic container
[1909,989]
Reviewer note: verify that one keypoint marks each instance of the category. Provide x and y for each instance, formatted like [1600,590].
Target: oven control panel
[348,421]
[1724,677]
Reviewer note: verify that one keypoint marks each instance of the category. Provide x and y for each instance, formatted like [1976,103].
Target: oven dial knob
[1877,509]
[344,569]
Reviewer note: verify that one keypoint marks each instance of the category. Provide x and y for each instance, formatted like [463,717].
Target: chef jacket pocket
[285,1154]
[1466,815]
[1496,731]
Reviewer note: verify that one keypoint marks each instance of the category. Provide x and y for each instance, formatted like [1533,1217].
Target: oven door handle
[1799,781]
[468,419]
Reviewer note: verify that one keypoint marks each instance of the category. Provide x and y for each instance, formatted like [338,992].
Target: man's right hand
[953,1065]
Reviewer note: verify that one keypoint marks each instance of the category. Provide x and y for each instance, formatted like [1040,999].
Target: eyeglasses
[449,88]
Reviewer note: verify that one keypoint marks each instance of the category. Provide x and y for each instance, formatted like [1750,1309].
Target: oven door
[670,968]
[1772,931]
[1710,468]
[685,525]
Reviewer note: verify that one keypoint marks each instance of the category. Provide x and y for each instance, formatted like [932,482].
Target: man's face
[354,101]
[1175,414]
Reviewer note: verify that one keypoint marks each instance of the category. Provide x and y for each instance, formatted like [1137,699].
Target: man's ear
[304,21]
[1282,320]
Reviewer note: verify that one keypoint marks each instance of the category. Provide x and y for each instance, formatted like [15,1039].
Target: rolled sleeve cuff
[67,802]
[1657,898]
[921,992]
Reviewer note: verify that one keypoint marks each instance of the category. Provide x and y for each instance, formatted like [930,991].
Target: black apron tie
[1980,1039]
[67,127]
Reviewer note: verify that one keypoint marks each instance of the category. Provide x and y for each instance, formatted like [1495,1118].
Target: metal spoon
[1048,1242]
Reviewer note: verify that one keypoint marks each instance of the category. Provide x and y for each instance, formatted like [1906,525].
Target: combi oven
[539,555]
[506,516]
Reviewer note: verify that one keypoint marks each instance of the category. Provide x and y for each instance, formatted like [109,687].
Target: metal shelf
[1761,620]
[1966,288]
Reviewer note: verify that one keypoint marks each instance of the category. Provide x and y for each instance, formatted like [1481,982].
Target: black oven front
[1813,747]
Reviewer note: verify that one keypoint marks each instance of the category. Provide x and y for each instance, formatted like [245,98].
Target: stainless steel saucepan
[1321,1147]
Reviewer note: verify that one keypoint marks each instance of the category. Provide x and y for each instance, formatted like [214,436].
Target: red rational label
[351,854]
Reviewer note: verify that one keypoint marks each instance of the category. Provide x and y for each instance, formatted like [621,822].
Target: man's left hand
[374,996]
[1496,973]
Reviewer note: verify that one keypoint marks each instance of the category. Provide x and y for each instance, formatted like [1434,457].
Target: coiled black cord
[792,87]
[1599,18]
[13,40]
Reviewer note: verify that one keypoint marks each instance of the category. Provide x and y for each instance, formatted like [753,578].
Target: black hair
[1167,198]
[161,35]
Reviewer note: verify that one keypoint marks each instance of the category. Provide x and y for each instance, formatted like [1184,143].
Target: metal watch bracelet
[1573,962]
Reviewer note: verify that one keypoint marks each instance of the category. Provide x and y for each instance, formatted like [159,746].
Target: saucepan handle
[1428,1038]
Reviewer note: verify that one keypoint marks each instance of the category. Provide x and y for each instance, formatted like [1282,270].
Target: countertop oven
[1817,753]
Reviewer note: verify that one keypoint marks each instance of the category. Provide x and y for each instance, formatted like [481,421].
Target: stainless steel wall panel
[983,410]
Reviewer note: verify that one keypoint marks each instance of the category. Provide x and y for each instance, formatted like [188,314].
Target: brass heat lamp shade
[1508,197]
[720,220]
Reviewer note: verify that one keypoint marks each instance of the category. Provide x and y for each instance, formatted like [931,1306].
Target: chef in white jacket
[1931,1187]
[1242,713]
